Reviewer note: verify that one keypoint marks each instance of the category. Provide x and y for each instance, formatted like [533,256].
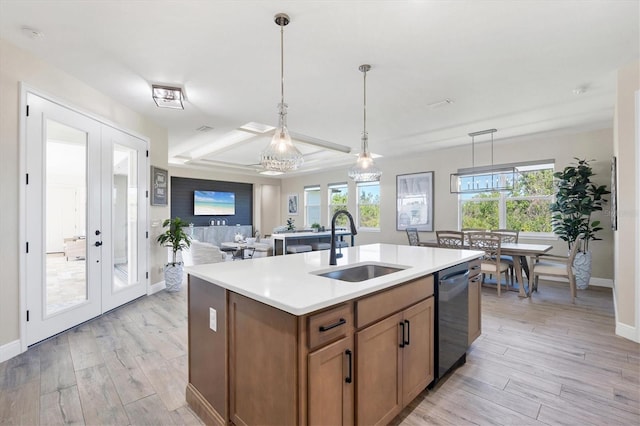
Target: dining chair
[510,236]
[450,239]
[412,235]
[556,266]
[490,264]
[467,230]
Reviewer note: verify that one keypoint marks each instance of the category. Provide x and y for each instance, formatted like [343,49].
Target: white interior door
[85,218]
[124,218]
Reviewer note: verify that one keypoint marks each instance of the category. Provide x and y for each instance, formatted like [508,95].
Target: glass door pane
[125,214]
[65,217]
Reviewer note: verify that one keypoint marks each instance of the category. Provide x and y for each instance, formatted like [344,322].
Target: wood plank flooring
[539,361]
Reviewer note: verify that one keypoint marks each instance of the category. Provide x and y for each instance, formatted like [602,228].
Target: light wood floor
[542,361]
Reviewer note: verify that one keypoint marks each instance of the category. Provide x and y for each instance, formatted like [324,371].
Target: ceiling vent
[204,128]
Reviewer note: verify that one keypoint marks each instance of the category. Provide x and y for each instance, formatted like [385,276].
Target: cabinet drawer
[330,324]
[371,308]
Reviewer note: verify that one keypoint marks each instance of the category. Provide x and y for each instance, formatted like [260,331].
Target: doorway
[85,217]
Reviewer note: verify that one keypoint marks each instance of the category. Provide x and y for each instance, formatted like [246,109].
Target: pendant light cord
[282,64]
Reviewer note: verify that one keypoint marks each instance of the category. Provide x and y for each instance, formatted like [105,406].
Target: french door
[85,216]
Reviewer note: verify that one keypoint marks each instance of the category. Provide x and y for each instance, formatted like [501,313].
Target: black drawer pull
[340,322]
[474,267]
[402,338]
[407,342]
[349,355]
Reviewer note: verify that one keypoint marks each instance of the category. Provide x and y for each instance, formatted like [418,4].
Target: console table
[281,241]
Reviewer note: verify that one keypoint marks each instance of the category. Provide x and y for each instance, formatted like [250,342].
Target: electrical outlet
[213,319]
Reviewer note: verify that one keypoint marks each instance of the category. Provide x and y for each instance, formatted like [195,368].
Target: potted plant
[315,227]
[576,199]
[290,225]
[176,238]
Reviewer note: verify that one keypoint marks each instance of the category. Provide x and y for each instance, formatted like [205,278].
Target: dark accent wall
[182,200]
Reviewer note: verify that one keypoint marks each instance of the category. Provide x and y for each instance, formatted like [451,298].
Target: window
[311,205]
[338,200]
[368,205]
[525,207]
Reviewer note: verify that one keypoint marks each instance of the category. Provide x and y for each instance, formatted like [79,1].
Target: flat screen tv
[211,203]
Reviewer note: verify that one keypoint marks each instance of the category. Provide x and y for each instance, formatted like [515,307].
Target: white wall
[17,65]
[627,246]
[563,148]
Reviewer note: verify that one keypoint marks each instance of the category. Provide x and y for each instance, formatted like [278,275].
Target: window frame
[503,198]
[358,204]
[307,190]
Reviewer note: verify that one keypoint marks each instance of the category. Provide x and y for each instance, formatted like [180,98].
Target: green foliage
[174,236]
[290,225]
[481,214]
[576,199]
[369,210]
[315,225]
[338,201]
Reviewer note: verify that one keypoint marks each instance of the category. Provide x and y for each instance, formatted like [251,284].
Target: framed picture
[614,194]
[414,198]
[292,204]
[159,186]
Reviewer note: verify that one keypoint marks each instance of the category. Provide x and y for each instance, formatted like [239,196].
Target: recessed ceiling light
[580,90]
[31,32]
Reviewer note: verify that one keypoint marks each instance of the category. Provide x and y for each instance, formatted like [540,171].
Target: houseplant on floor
[176,238]
[576,199]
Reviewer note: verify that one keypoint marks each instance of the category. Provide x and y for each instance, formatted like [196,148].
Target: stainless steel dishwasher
[452,319]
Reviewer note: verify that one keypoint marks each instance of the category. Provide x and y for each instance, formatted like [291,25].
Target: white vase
[582,269]
[173,277]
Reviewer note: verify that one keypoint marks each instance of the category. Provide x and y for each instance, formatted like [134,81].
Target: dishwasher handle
[455,274]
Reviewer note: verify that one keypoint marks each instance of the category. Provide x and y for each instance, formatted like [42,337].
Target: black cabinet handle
[408,341]
[334,325]
[402,338]
[350,361]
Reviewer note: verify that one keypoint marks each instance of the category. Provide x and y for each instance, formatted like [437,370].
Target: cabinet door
[331,383]
[378,363]
[417,354]
[475,299]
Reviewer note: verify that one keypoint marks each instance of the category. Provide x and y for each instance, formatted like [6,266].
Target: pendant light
[281,155]
[485,178]
[365,169]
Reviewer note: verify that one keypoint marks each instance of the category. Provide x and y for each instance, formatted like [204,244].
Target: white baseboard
[596,282]
[9,350]
[154,288]
[628,332]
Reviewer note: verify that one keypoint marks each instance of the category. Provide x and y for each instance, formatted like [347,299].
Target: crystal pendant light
[365,169]
[281,155]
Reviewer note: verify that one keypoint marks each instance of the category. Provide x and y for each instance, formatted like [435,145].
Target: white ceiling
[510,65]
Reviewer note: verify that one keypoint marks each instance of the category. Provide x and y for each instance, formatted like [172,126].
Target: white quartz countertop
[289,282]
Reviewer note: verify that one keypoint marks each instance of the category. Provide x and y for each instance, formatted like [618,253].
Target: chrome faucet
[354,231]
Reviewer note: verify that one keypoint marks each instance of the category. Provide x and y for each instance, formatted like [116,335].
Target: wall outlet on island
[213,321]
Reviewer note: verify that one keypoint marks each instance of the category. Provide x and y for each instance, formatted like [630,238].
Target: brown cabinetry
[394,363]
[475,299]
[330,385]
[330,367]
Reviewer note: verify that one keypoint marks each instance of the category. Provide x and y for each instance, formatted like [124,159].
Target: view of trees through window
[338,200]
[311,205]
[369,205]
[525,207]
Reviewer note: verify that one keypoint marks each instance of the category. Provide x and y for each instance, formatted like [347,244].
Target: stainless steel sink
[359,273]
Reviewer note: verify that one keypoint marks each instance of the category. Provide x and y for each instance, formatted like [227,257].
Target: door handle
[98,243]
[349,378]
[407,342]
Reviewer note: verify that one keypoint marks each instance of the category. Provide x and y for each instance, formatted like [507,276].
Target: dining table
[522,252]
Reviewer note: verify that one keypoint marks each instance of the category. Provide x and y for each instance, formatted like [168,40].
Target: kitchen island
[271,341]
